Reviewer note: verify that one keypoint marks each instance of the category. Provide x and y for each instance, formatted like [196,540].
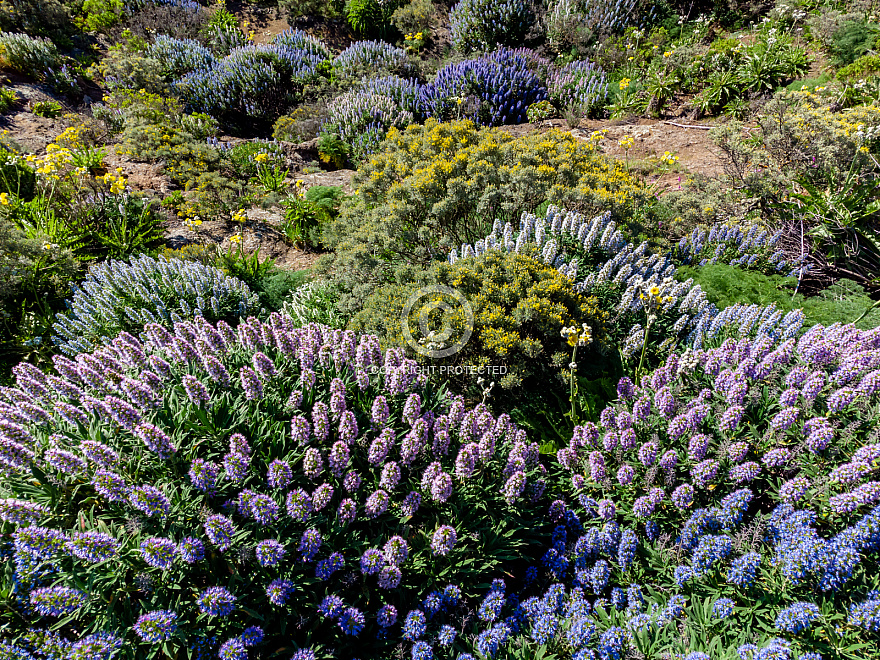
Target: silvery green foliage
[481,25]
[577,86]
[370,56]
[362,119]
[313,302]
[117,296]
[635,269]
[33,56]
[180,56]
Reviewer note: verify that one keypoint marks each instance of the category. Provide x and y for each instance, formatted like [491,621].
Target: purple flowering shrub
[724,508]
[481,25]
[297,483]
[744,471]
[254,83]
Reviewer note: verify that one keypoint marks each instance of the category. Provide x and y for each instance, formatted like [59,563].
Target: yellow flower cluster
[626,142]
[4,199]
[239,216]
[56,159]
[624,83]
[413,37]
[71,137]
[117,182]
[442,162]
[668,158]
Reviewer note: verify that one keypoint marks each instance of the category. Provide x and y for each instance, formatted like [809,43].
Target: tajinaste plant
[268,502]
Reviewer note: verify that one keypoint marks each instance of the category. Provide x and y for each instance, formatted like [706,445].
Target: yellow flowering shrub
[518,307]
[436,186]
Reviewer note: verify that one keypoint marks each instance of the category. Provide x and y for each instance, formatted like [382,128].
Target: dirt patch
[651,138]
[341,178]
[261,231]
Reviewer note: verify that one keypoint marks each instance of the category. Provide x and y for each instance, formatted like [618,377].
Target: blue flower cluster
[481,25]
[490,90]
[753,247]
[369,57]
[180,56]
[255,82]
[120,295]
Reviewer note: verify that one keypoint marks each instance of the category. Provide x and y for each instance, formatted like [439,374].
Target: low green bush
[36,278]
[843,302]
[516,308]
[852,40]
[863,67]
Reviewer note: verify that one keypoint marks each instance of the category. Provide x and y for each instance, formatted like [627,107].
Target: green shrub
[48,109]
[39,18]
[843,302]
[413,16]
[369,16]
[36,278]
[242,159]
[436,186]
[852,40]
[517,308]
[123,68]
[863,67]
[540,111]
[327,8]
[98,15]
[7,99]
[16,178]
[306,212]
[276,287]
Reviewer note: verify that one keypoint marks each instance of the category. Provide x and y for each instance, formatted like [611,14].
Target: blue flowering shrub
[482,25]
[742,473]
[491,90]
[254,83]
[180,56]
[119,295]
[217,490]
